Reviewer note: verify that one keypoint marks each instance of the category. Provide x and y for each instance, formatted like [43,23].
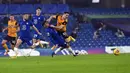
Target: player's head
[26,16]
[46,24]
[11,17]
[38,11]
[65,15]
[118,30]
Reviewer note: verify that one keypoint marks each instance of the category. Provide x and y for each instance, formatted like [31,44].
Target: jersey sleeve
[57,16]
[32,19]
[42,18]
[20,22]
[31,23]
[16,23]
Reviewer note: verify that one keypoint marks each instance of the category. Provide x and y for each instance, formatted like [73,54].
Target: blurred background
[75,3]
[95,23]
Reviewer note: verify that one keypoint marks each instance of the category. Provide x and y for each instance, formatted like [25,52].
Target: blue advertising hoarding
[47,52]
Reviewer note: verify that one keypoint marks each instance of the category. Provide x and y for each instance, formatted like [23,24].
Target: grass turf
[104,63]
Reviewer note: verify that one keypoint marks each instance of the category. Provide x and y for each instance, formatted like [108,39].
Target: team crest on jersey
[35,21]
[27,23]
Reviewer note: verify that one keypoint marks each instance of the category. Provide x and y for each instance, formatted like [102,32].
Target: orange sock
[70,38]
[6,47]
[73,39]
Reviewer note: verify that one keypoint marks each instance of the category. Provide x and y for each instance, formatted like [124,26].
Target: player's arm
[17,26]
[36,30]
[51,17]
[57,27]
[4,29]
[122,33]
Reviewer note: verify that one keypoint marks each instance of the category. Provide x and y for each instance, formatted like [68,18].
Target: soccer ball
[116,52]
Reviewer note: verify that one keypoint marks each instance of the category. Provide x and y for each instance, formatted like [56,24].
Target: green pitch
[67,64]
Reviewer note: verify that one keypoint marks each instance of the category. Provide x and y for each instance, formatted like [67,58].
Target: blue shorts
[55,38]
[37,36]
[27,40]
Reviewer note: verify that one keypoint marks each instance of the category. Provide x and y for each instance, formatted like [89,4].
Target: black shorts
[63,35]
[10,39]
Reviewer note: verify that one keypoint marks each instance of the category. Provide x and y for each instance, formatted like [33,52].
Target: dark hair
[39,8]
[45,22]
[66,13]
[25,13]
[11,14]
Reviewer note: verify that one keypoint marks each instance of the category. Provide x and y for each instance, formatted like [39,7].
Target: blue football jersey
[55,38]
[38,21]
[25,26]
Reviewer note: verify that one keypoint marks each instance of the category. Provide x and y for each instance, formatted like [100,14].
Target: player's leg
[71,51]
[12,46]
[41,42]
[52,40]
[68,39]
[66,36]
[6,39]
[35,43]
[36,40]
[61,48]
[13,42]
[56,51]
[53,47]
[44,42]
[60,42]
[66,45]
[18,43]
[30,44]
[5,46]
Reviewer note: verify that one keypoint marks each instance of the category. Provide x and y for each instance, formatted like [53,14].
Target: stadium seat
[49,8]
[14,9]
[62,8]
[4,9]
[26,8]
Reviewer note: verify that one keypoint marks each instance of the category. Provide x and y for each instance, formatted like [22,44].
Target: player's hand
[60,27]
[65,34]
[3,30]
[52,26]
[39,33]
